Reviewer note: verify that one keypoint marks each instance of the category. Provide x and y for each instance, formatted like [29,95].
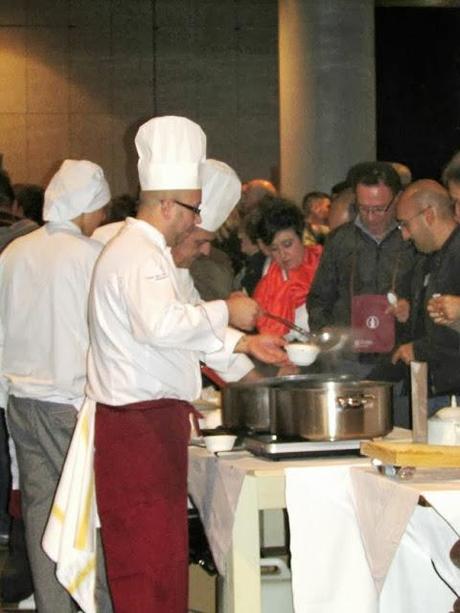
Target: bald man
[426,217]
[147,339]
[252,193]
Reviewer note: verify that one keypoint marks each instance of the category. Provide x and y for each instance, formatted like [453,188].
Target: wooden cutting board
[413,454]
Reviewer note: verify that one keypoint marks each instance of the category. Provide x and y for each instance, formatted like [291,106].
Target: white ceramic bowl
[302,354]
[219,442]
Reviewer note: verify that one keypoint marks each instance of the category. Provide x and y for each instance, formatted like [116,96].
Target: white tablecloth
[359,541]
[214,484]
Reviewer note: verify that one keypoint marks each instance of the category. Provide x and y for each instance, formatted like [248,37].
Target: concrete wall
[77,77]
[327,85]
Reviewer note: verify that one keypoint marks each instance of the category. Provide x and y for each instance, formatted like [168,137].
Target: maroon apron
[373,329]
[141,491]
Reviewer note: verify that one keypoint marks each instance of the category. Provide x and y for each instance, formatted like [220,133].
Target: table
[259,485]
[255,485]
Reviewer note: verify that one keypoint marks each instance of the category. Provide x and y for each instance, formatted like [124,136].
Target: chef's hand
[267,348]
[242,311]
[405,353]
[444,310]
[400,310]
[290,369]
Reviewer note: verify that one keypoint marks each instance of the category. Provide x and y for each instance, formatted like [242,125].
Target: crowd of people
[111,304]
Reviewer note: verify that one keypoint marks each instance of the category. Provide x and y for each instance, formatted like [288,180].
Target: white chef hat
[221,192]
[170,151]
[78,187]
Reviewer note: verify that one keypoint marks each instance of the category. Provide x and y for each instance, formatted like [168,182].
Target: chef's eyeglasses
[374,210]
[403,224]
[190,207]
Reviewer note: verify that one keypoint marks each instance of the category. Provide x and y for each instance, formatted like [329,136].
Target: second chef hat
[221,192]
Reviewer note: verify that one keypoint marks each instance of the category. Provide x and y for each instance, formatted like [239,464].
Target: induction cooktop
[278,448]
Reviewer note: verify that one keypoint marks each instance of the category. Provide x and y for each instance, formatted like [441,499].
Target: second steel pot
[335,410]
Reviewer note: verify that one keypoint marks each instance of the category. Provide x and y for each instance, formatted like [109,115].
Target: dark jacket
[252,271]
[437,345]
[376,267]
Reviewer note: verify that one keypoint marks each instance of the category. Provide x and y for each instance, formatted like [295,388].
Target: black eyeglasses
[375,210]
[190,207]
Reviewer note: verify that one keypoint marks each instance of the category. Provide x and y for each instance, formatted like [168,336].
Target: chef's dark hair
[278,214]
[373,173]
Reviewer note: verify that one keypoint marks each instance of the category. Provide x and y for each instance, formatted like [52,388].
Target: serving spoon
[325,340]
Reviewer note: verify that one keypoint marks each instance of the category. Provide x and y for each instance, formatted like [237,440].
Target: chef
[44,286]
[146,342]
[221,192]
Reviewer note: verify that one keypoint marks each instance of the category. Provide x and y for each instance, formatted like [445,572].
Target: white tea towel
[70,535]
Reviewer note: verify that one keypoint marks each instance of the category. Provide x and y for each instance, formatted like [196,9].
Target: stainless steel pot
[315,407]
[335,410]
[253,406]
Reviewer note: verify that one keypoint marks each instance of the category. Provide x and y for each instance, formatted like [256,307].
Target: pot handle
[354,402]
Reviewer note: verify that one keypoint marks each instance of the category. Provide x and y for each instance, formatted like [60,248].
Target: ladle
[325,340]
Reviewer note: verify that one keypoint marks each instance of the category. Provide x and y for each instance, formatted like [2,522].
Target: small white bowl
[302,354]
[219,442]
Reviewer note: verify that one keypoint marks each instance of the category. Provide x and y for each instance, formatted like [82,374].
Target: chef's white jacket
[229,367]
[103,234]
[146,336]
[44,286]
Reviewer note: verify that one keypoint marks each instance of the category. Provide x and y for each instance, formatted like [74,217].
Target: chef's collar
[63,226]
[150,231]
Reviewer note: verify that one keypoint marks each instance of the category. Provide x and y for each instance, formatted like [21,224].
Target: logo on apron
[372,322]
[372,327]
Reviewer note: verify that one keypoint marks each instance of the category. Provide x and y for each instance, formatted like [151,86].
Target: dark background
[418,87]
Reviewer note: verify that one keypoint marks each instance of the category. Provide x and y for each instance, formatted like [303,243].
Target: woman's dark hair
[276,214]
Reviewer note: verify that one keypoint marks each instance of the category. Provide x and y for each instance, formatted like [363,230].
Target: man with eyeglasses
[147,339]
[363,261]
[426,218]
